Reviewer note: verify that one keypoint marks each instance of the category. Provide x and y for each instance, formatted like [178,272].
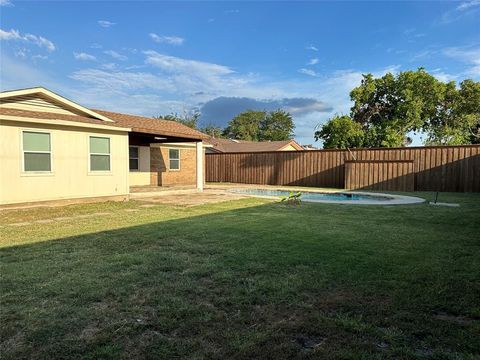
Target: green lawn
[243,279]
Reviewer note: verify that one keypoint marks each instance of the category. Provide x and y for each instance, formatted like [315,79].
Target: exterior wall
[161,175]
[142,175]
[70,176]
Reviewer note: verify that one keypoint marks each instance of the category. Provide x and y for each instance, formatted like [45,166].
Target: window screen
[99,153]
[133,157]
[174,157]
[36,151]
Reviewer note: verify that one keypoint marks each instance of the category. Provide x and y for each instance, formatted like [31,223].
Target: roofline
[167,133]
[293,143]
[54,96]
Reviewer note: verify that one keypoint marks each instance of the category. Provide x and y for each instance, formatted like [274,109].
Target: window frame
[99,172]
[169,160]
[22,157]
[137,158]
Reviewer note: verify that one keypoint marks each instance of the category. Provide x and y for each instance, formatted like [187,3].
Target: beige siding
[142,175]
[37,103]
[70,176]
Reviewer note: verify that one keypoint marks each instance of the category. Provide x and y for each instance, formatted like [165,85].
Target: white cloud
[313,61]
[308,72]
[468,5]
[422,55]
[21,53]
[17,74]
[5,3]
[96,46]
[84,56]
[443,76]
[232,11]
[108,66]
[105,23]
[39,57]
[468,55]
[15,35]
[115,55]
[311,47]
[176,64]
[119,80]
[172,40]
[464,9]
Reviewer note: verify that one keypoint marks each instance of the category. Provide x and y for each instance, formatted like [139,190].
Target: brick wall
[161,175]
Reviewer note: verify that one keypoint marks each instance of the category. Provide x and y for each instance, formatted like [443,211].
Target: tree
[213,131]
[341,132]
[458,121]
[389,107]
[245,126]
[255,125]
[189,119]
[277,125]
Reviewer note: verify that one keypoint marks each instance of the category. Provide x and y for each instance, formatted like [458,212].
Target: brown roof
[153,126]
[136,123]
[229,145]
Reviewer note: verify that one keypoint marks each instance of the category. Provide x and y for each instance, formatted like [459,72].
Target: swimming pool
[338,197]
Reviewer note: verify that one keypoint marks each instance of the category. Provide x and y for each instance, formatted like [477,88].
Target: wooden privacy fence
[441,168]
[393,175]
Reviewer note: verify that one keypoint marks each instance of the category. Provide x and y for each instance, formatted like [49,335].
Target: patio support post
[199,148]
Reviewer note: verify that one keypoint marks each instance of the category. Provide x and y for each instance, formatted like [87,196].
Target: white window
[99,153]
[174,159]
[37,155]
[133,157]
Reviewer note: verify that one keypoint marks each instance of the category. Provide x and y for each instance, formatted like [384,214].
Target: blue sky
[153,58]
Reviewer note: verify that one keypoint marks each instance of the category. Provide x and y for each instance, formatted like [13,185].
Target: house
[231,145]
[53,149]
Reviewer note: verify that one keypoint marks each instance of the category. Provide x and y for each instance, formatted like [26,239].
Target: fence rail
[441,168]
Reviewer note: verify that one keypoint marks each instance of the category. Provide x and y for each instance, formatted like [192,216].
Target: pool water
[313,196]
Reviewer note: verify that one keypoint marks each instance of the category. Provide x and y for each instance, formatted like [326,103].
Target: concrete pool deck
[214,193]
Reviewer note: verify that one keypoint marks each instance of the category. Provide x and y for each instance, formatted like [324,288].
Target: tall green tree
[277,125]
[458,119]
[341,132]
[389,107]
[245,126]
[255,125]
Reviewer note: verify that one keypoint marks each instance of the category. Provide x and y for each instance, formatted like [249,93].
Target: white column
[199,148]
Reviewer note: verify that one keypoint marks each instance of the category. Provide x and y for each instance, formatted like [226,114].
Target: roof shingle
[153,126]
[136,123]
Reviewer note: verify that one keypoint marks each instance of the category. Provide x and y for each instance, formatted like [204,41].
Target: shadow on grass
[267,281]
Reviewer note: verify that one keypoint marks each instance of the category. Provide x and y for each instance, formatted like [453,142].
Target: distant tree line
[388,108]
[250,125]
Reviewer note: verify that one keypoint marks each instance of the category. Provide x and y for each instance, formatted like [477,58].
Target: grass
[242,279]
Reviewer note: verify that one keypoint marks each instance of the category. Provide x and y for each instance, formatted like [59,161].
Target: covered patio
[162,153]
[166,161]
